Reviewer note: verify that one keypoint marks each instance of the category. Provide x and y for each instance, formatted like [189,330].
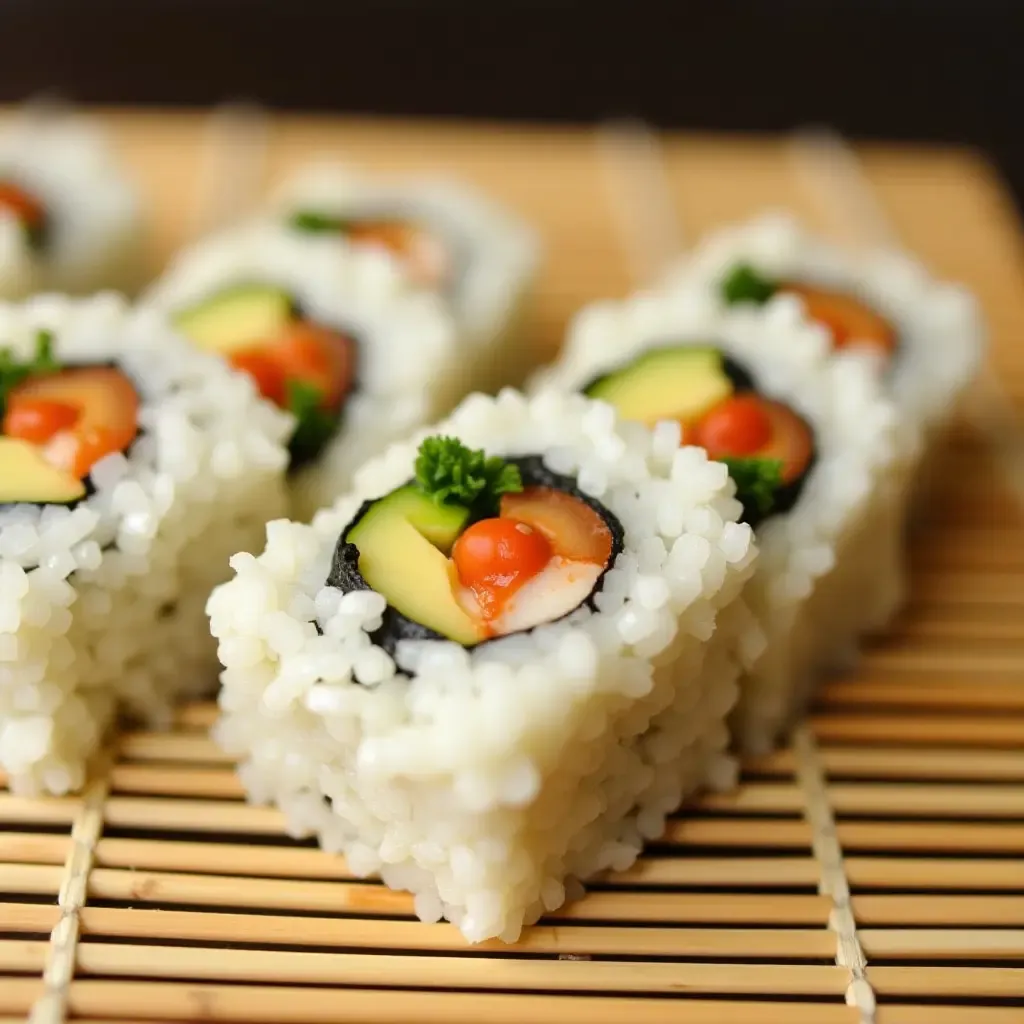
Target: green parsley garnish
[315,426]
[756,480]
[744,284]
[13,371]
[313,223]
[449,472]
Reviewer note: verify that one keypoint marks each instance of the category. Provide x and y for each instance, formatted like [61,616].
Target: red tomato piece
[317,356]
[37,419]
[848,320]
[495,557]
[738,426]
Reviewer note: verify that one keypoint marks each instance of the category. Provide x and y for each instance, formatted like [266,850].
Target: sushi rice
[940,331]
[408,365]
[102,603]
[488,780]
[494,256]
[93,211]
[831,567]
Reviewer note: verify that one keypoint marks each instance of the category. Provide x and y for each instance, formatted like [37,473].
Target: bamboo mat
[892,832]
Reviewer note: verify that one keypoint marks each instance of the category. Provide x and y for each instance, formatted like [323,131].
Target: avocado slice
[679,382]
[25,476]
[402,540]
[236,318]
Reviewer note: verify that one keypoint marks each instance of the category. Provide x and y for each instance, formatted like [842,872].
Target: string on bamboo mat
[51,1007]
[810,774]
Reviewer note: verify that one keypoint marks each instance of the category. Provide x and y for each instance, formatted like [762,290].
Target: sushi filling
[299,365]
[847,318]
[424,256]
[476,548]
[768,448]
[57,422]
[27,210]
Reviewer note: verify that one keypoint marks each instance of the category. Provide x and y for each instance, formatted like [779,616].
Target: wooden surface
[197,907]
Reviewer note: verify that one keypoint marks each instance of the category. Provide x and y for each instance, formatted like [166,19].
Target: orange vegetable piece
[265,371]
[738,426]
[495,557]
[848,319]
[24,206]
[37,419]
[572,528]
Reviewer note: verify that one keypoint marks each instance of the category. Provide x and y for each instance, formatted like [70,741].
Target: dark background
[919,70]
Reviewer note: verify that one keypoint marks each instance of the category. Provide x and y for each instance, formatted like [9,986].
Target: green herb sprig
[450,473]
[311,222]
[757,480]
[316,425]
[14,371]
[744,284]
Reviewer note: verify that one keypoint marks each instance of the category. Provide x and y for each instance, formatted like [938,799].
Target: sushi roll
[333,334]
[70,220]
[810,440]
[498,663]
[131,467]
[443,236]
[928,336]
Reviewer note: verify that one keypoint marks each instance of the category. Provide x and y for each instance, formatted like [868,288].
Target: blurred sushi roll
[810,441]
[70,220]
[131,467]
[928,336]
[444,236]
[333,334]
[498,663]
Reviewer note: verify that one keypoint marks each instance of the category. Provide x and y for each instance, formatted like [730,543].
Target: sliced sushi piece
[497,664]
[70,220]
[443,236]
[810,441]
[131,467]
[331,334]
[928,336]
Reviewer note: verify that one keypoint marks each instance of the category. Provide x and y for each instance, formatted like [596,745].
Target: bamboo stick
[28,917]
[960,982]
[767,872]
[923,800]
[41,811]
[770,797]
[35,848]
[925,693]
[933,873]
[943,943]
[726,832]
[392,971]
[192,815]
[947,662]
[359,933]
[196,715]
[32,879]
[969,589]
[176,780]
[697,908]
[940,911]
[23,957]
[263,1003]
[973,837]
[899,763]
[932,1014]
[188,747]
[18,994]
[962,730]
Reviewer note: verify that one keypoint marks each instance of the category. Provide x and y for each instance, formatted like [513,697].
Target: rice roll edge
[70,219]
[928,336]
[131,467]
[500,662]
[811,442]
[445,236]
[329,332]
